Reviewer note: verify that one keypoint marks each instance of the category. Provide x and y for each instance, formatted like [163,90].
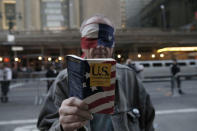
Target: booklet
[93,80]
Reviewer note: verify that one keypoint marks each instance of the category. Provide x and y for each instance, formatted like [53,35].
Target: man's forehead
[93,30]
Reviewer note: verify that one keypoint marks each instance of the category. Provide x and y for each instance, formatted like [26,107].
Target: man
[1,80]
[133,108]
[175,81]
[7,77]
[51,73]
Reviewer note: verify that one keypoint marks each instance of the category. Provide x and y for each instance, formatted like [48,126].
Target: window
[192,63]
[54,14]
[182,63]
[157,64]
[8,14]
[168,64]
[145,64]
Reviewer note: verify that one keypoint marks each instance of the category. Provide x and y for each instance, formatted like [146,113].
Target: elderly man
[133,110]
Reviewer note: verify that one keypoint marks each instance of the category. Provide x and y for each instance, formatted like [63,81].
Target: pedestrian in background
[175,80]
[7,77]
[51,73]
[1,75]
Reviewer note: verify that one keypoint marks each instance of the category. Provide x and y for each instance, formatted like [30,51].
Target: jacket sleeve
[48,119]
[147,109]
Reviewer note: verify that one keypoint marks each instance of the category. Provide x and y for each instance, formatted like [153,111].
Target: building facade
[48,30]
[38,27]
[171,14]
[132,11]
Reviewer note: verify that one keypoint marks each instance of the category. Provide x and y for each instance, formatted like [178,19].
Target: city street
[173,113]
[157,39]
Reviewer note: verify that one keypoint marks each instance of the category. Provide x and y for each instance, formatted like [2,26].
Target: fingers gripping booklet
[93,80]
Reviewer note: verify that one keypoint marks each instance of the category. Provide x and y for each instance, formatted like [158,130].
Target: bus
[162,67]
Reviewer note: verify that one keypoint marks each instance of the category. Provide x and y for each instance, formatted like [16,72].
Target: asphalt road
[173,113]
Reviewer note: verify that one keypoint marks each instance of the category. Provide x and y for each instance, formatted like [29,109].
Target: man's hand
[74,114]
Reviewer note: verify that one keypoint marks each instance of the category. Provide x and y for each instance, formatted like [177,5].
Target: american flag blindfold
[97,34]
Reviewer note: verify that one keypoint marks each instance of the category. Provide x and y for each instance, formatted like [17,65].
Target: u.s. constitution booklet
[93,81]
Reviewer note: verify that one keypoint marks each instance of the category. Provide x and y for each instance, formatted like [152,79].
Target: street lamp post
[163,11]
[11,16]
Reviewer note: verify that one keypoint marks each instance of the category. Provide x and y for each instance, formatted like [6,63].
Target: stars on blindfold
[109,38]
[105,38]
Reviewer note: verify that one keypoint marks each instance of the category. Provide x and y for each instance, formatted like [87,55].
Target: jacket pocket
[126,121]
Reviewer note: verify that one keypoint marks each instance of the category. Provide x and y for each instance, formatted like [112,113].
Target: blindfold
[97,34]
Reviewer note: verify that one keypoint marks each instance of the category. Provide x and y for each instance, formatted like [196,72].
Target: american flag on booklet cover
[100,98]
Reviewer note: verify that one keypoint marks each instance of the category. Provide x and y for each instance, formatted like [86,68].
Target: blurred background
[35,34]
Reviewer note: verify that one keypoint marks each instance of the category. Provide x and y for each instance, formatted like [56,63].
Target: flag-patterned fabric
[100,99]
[97,34]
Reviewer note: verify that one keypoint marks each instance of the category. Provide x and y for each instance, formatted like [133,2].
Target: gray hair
[99,18]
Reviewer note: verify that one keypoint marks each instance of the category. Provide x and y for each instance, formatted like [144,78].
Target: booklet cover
[93,80]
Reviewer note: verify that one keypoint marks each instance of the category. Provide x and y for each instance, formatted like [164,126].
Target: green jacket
[133,107]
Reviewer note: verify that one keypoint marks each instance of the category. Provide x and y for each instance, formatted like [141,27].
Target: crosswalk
[14,122]
[30,124]
[26,128]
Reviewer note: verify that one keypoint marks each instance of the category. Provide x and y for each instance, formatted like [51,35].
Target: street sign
[17,48]
[10,38]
